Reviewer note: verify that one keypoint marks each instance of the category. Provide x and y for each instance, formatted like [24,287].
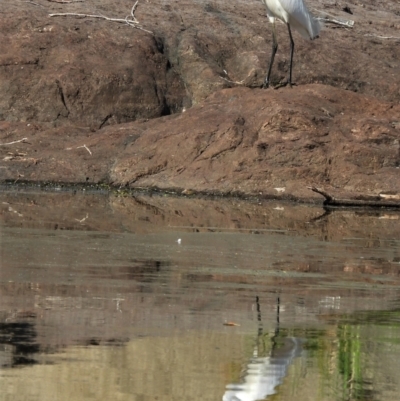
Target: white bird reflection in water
[264,374]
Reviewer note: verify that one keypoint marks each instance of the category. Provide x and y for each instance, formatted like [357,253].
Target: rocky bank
[88,100]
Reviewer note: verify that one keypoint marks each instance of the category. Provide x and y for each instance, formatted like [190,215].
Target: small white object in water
[179,241]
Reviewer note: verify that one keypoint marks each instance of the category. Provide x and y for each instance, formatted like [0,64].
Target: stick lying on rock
[367,201]
[129,20]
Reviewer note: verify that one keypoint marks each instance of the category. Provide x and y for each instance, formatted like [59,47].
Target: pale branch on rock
[84,146]
[82,220]
[66,1]
[35,4]
[380,200]
[382,37]
[342,23]
[129,20]
[134,9]
[334,20]
[11,143]
[233,82]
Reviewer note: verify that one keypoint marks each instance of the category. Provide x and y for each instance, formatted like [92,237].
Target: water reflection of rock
[139,270]
[142,214]
[17,344]
[145,214]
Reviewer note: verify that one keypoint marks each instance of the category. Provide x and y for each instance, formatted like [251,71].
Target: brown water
[106,297]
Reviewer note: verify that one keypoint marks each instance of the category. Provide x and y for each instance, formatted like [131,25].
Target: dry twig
[382,37]
[35,4]
[233,82]
[129,20]
[343,23]
[84,146]
[11,143]
[362,201]
[334,19]
[66,1]
[82,220]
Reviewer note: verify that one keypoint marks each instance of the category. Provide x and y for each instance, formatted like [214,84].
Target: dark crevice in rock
[62,97]
[105,120]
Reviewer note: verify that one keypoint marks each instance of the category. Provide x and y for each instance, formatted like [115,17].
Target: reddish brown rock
[255,141]
[94,72]
[238,141]
[81,71]
[62,79]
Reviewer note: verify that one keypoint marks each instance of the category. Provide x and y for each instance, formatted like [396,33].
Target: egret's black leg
[289,80]
[291,55]
[274,50]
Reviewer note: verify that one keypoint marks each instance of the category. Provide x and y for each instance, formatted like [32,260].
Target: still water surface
[107,297]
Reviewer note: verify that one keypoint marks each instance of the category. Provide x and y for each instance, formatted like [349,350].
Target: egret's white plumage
[294,13]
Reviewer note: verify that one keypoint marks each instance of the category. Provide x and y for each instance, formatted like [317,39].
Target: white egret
[294,13]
